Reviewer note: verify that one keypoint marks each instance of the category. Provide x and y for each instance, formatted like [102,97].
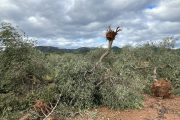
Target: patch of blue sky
[101,40]
[151,6]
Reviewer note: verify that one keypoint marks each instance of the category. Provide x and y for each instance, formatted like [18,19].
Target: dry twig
[53,108]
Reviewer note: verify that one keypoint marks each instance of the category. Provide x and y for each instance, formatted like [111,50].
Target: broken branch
[101,82]
[53,108]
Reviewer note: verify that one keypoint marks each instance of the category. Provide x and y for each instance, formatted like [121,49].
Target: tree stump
[161,88]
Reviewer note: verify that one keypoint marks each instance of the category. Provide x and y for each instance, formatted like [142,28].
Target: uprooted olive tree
[22,67]
[88,81]
[158,62]
[110,36]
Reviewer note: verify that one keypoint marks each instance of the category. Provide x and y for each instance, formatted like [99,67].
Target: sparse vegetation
[75,81]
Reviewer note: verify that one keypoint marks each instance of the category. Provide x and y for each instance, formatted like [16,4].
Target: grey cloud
[62,23]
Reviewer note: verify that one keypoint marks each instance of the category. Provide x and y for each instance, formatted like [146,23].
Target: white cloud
[167,10]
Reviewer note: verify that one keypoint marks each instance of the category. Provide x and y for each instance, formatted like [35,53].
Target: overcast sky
[83,23]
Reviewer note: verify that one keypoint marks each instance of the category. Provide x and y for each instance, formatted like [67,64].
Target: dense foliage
[21,65]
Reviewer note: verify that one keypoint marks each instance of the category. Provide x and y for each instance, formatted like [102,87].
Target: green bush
[69,79]
[21,65]
[120,97]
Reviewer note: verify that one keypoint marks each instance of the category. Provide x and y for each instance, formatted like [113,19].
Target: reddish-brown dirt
[155,108]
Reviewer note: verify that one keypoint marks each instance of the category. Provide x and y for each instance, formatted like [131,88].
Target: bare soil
[155,108]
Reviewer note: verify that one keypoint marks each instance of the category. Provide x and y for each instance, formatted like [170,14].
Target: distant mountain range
[80,50]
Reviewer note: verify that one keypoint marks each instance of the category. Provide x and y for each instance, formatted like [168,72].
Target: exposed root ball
[41,106]
[161,88]
[110,35]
